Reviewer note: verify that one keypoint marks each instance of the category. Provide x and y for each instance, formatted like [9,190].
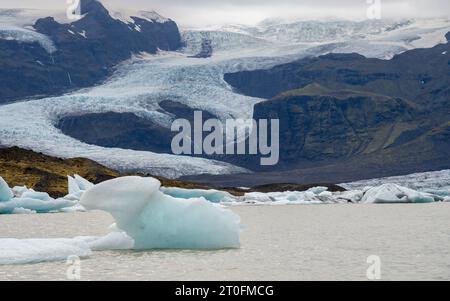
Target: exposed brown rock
[44,173]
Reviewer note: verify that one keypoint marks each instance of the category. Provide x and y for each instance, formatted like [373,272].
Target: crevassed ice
[141,83]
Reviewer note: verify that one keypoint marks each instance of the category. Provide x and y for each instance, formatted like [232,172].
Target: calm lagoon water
[324,242]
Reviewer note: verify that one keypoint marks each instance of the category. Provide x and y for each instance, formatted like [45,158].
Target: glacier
[140,84]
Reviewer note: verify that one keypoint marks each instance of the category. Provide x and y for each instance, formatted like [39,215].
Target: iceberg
[21,200]
[26,251]
[159,221]
[37,205]
[214,196]
[392,193]
[316,195]
[6,193]
[77,186]
[386,193]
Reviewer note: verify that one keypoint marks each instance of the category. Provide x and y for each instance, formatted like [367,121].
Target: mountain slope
[344,117]
[84,52]
[421,75]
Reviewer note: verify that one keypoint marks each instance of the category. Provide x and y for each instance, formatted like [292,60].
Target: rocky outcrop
[320,124]
[121,130]
[21,167]
[86,52]
[344,117]
[419,75]
[127,130]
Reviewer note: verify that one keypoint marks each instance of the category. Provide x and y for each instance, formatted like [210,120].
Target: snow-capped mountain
[70,55]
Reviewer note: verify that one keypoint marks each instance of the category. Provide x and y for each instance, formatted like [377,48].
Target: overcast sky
[212,12]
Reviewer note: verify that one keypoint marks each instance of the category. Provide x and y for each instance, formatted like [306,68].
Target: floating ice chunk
[23,211]
[82,183]
[351,196]
[326,194]
[159,221]
[212,195]
[112,241]
[392,193]
[258,197]
[285,198]
[71,197]
[37,205]
[6,193]
[77,186]
[23,251]
[317,190]
[19,190]
[73,186]
[75,208]
[30,194]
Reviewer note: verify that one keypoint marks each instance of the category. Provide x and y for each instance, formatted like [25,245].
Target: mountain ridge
[86,52]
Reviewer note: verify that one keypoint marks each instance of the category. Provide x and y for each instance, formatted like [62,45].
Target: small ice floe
[315,195]
[21,200]
[386,193]
[26,251]
[156,220]
[6,193]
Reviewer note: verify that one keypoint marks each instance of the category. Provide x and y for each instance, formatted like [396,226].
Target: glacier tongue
[140,84]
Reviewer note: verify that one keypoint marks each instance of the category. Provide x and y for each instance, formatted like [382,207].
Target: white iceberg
[316,195]
[77,186]
[37,205]
[6,193]
[392,193]
[21,200]
[25,251]
[214,196]
[18,191]
[159,221]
